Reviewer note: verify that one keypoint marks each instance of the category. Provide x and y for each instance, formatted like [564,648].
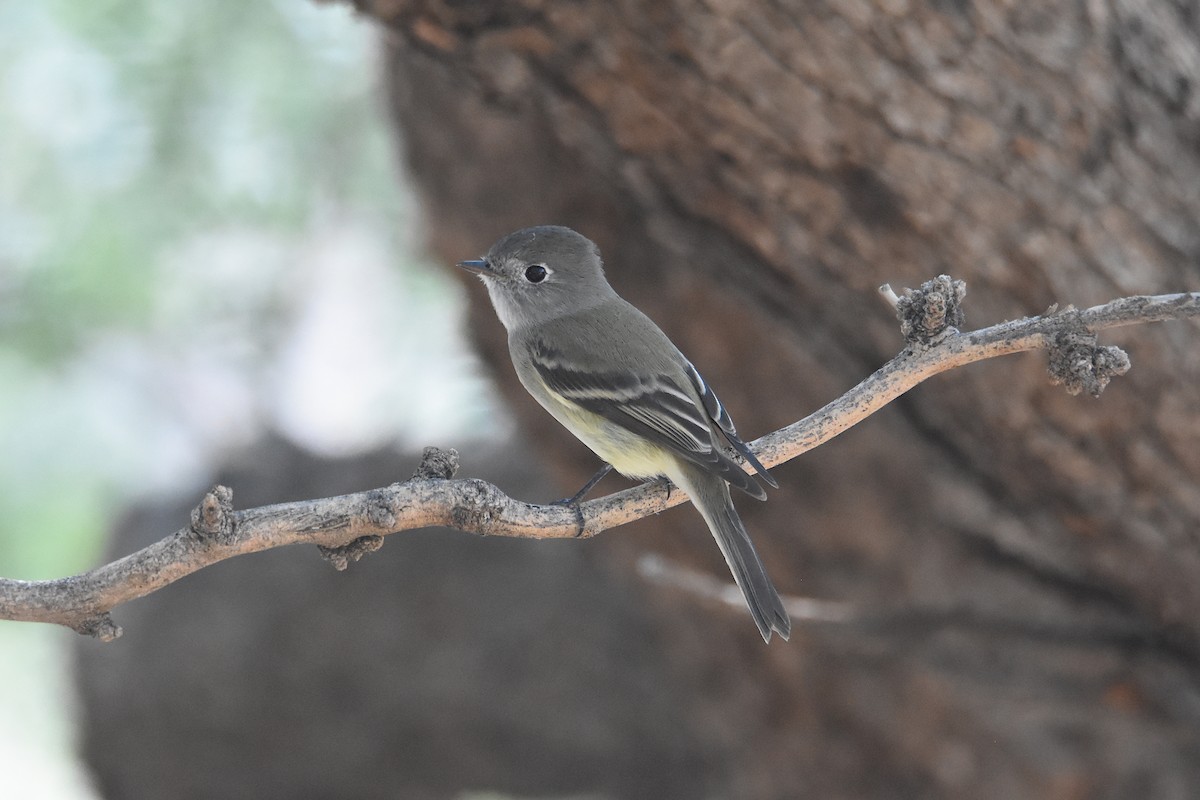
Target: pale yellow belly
[631,455]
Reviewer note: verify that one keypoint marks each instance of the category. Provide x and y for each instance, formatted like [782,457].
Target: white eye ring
[536,273]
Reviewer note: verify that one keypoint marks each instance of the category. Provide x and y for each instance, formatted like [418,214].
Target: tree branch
[348,526]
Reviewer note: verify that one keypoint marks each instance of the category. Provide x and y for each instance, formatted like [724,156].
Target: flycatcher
[607,373]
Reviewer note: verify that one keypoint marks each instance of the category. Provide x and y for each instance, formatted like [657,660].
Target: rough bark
[752,171]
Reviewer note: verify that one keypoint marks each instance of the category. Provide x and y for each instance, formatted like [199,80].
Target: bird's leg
[572,502]
[574,499]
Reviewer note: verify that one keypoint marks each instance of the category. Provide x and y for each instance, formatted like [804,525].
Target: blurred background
[225,232]
[204,235]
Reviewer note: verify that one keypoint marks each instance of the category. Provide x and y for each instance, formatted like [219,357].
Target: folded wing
[658,408]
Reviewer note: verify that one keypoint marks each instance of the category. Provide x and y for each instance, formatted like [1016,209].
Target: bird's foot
[573,504]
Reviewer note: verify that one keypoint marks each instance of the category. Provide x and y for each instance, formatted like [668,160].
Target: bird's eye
[536,273]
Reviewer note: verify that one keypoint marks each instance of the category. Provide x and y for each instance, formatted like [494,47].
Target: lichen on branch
[348,527]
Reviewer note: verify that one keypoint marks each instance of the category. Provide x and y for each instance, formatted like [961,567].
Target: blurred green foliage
[128,124]
[132,134]
[201,225]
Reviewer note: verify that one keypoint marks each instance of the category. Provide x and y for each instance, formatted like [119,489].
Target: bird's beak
[479,266]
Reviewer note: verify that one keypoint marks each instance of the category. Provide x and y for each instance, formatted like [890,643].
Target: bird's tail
[710,495]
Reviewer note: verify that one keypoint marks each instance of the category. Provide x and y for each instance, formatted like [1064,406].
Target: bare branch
[348,526]
[660,570]
[895,621]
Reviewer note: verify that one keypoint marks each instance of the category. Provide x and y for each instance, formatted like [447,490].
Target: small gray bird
[607,373]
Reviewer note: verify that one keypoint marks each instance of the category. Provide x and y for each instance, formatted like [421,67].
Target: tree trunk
[1025,564]
[752,171]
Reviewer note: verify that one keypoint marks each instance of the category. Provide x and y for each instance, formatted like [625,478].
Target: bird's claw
[573,504]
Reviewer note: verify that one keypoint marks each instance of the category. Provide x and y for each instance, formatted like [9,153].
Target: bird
[609,374]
